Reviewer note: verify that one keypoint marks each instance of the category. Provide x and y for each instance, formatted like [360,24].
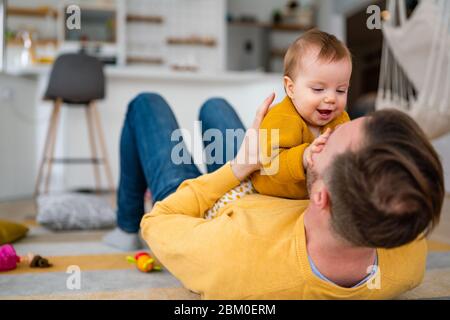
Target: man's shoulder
[405,252]
[404,264]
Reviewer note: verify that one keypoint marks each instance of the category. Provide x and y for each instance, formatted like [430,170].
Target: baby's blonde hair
[331,49]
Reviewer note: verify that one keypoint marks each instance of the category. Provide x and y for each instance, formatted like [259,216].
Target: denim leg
[132,184]
[145,153]
[218,114]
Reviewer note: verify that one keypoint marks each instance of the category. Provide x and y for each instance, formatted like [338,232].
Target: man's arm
[193,248]
[181,238]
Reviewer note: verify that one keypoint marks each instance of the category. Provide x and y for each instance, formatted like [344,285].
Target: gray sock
[143,243]
[123,240]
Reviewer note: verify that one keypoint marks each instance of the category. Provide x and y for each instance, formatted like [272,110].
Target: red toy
[144,262]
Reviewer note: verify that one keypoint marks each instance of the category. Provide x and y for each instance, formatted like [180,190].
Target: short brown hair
[331,49]
[390,191]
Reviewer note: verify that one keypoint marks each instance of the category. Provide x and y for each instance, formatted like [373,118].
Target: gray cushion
[75,211]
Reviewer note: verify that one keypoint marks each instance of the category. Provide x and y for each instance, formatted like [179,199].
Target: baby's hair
[331,49]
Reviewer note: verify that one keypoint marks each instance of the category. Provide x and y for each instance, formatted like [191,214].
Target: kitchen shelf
[272,26]
[278,53]
[189,68]
[39,42]
[145,19]
[290,27]
[146,60]
[195,41]
[40,12]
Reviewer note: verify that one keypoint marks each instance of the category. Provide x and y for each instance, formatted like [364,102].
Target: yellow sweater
[255,248]
[294,137]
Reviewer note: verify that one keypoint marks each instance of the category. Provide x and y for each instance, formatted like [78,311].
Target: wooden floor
[20,210]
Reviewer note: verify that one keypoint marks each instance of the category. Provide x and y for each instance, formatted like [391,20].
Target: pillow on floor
[75,211]
[11,231]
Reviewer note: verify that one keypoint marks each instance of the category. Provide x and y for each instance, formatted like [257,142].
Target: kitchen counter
[157,73]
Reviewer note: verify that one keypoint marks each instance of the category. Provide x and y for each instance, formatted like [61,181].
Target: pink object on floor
[8,258]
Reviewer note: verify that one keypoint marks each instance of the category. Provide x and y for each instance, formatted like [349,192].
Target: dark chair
[76,79]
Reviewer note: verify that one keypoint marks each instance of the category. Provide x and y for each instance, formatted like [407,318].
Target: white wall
[17,133]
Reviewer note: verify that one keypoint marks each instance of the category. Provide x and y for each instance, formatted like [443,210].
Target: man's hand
[315,147]
[247,159]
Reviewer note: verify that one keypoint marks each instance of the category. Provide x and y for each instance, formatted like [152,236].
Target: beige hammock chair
[415,64]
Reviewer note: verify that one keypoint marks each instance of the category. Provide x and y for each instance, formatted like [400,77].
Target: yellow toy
[144,262]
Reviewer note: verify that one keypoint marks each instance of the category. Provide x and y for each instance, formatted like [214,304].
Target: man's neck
[339,261]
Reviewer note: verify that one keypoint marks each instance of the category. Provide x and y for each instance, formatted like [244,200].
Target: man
[376,189]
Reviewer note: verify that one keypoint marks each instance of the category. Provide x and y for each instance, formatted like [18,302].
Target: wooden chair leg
[45,152]
[52,144]
[90,125]
[104,151]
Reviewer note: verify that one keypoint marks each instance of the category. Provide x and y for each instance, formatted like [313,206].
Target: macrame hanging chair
[415,64]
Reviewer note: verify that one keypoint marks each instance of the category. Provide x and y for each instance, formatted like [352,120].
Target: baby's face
[319,91]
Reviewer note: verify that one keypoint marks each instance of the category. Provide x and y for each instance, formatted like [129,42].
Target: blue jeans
[146,148]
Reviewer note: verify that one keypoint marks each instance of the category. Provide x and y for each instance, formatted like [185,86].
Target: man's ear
[321,198]
[288,86]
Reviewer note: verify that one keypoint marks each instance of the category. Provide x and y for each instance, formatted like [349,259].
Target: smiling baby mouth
[325,112]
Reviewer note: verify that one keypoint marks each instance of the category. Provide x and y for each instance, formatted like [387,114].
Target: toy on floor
[9,259]
[144,262]
[36,261]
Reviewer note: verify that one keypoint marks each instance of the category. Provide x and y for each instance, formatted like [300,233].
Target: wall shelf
[38,42]
[145,19]
[275,27]
[145,60]
[189,68]
[278,53]
[193,41]
[290,27]
[39,12]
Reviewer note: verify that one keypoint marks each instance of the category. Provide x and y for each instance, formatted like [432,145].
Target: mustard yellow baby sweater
[294,137]
[256,247]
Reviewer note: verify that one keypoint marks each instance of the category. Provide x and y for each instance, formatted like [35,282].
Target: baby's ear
[288,86]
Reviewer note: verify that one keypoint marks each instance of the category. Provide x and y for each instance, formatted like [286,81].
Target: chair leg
[52,144]
[104,151]
[45,154]
[90,124]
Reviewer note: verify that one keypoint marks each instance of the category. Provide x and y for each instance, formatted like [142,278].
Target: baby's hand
[315,147]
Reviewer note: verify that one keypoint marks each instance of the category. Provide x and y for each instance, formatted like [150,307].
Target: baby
[317,71]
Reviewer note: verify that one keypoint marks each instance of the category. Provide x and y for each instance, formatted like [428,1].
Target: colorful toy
[144,262]
[9,259]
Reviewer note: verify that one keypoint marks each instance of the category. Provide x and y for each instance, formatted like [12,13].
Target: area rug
[105,273]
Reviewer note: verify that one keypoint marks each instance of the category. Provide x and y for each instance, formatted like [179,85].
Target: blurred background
[186,50]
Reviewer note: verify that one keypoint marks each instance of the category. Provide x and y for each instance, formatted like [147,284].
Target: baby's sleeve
[282,146]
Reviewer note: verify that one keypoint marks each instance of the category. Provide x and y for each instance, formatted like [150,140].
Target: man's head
[317,71]
[379,181]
